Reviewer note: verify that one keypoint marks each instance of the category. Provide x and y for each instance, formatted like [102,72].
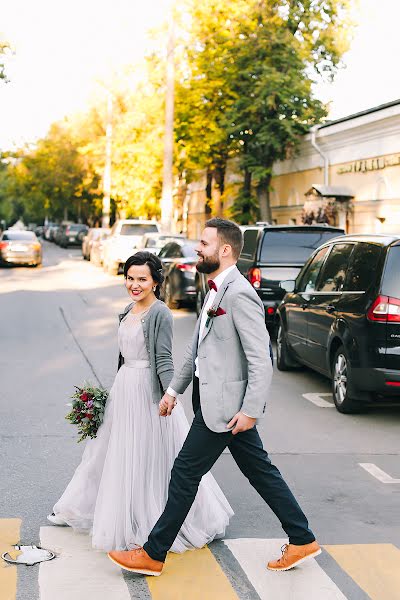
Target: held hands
[166,405]
[241,422]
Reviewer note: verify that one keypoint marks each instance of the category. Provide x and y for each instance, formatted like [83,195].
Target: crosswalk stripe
[9,535]
[374,567]
[78,572]
[194,575]
[307,581]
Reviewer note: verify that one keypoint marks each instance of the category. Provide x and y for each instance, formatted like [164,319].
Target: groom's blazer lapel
[197,328]
[234,274]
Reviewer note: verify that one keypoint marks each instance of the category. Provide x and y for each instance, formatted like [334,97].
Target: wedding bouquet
[88,406]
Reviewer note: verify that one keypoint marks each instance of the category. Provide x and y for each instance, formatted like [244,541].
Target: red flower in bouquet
[88,406]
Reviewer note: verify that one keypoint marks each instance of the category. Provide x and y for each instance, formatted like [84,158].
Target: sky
[63,48]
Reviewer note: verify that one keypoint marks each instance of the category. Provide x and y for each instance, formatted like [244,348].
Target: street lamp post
[167,221]
[105,220]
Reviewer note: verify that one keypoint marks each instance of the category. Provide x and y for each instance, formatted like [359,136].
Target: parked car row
[65,234]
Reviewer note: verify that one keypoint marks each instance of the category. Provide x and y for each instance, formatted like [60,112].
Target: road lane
[59,323]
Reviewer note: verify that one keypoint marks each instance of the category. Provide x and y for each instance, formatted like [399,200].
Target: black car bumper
[380,381]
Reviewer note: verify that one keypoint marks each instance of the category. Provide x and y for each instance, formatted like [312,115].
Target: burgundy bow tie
[211,285]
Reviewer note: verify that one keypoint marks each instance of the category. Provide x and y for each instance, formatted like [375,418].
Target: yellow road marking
[9,535]
[194,575]
[374,567]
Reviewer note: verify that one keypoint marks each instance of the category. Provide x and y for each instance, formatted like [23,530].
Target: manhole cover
[27,555]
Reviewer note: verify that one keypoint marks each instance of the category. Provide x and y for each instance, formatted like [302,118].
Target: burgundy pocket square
[220,311]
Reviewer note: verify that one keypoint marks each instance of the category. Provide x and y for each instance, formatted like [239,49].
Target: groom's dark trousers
[200,451]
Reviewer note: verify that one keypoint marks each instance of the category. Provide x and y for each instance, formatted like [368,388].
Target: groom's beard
[209,264]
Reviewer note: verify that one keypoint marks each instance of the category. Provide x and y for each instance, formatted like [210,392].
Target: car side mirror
[288,285]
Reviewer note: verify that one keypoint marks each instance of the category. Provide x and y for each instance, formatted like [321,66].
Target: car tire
[199,302]
[284,357]
[169,301]
[112,268]
[342,385]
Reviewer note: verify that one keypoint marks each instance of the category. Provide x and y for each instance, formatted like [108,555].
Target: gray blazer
[157,329]
[234,360]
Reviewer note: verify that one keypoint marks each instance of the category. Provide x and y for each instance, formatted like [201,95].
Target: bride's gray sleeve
[163,348]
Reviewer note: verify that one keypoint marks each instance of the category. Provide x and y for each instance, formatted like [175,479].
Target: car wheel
[112,268]
[284,357]
[342,385]
[199,302]
[169,301]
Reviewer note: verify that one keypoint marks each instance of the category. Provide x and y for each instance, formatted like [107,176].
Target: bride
[120,488]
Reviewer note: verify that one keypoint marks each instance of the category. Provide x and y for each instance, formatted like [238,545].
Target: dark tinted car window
[391,277]
[335,268]
[19,235]
[291,246]
[174,251]
[310,275]
[78,227]
[362,268]
[133,229]
[249,242]
[164,250]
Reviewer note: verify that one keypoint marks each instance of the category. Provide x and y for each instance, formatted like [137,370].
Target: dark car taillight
[385,310]
[186,267]
[254,276]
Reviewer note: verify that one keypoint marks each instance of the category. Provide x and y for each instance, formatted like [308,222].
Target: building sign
[370,164]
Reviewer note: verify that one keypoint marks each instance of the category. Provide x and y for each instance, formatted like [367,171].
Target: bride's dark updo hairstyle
[154,264]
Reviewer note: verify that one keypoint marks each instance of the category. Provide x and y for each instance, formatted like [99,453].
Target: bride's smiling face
[139,282]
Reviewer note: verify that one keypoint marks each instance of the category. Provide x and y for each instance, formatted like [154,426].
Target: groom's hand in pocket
[167,405]
[241,422]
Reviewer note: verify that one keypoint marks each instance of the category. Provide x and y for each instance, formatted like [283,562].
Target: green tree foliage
[249,84]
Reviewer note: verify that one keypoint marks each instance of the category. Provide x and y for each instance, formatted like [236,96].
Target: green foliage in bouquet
[88,406]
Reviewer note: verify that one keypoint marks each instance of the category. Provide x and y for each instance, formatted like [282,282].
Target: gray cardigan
[157,329]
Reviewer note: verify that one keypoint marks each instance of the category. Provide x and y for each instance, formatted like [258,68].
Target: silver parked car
[20,248]
[93,234]
[122,242]
[153,242]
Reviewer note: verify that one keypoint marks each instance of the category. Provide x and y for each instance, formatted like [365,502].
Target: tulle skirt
[120,488]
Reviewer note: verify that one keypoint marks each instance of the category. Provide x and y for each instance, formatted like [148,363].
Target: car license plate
[18,248]
[72,239]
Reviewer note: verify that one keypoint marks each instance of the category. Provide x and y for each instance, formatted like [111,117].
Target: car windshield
[19,235]
[391,279]
[292,247]
[137,229]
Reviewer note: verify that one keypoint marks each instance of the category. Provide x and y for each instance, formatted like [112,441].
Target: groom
[230,366]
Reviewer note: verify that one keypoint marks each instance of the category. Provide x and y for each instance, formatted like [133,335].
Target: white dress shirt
[218,280]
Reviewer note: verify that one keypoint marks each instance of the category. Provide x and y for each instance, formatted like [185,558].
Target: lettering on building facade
[370,164]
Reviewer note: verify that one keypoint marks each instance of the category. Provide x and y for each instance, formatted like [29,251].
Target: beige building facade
[359,154]
[351,166]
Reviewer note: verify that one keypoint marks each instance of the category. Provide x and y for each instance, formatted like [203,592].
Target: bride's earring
[154,288]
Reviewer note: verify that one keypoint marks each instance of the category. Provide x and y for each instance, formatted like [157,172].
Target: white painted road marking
[78,572]
[378,473]
[306,581]
[316,398]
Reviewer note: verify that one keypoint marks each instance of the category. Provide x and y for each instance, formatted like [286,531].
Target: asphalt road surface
[58,328]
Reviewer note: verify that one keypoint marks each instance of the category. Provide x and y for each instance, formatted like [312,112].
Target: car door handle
[330,308]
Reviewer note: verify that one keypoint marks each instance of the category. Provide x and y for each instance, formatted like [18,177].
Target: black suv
[341,317]
[272,254]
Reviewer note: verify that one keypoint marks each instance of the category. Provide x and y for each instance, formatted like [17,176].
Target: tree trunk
[247,182]
[263,196]
[218,190]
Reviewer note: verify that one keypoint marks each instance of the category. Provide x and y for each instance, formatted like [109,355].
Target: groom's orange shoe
[294,555]
[136,561]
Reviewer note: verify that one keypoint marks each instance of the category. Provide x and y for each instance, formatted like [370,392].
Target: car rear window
[19,235]
[133,229]
[292,247]
[391,277]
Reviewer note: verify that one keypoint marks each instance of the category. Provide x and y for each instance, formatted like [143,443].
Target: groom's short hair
[229,233]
